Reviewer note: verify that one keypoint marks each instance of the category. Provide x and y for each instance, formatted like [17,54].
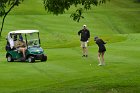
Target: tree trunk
[2,24]
[6,15]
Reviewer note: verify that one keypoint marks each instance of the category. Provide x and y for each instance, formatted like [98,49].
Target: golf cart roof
[24,31]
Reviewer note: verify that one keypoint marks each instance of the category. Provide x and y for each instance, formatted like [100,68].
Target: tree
[138,1]
[60,6]
[7,5]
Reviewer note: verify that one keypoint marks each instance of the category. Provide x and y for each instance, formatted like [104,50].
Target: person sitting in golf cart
[20,45]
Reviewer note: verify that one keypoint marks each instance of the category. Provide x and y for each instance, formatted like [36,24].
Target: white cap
[84,25]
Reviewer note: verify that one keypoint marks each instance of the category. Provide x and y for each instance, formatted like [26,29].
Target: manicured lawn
[66,71]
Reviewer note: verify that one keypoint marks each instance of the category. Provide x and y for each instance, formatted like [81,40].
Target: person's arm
[79,32]
[103,41]
[88,34]
[24,44]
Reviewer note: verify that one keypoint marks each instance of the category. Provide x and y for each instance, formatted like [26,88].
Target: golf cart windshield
[33,39]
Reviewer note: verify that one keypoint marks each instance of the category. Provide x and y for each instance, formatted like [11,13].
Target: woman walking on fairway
[101,51]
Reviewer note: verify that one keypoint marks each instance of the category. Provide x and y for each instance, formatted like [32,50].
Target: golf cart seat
[8,48]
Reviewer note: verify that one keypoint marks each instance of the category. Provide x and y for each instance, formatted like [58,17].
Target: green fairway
[65,71]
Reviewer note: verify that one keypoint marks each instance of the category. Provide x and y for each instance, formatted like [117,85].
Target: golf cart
[33,50]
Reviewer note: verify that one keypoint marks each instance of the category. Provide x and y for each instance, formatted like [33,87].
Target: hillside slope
[114,17]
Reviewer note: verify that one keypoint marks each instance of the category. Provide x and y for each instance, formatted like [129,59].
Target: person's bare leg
[83,50]
[99,58]
[103,58]
[23,51]
[86,51]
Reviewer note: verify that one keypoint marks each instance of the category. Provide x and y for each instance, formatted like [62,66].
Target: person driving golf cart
[20,45]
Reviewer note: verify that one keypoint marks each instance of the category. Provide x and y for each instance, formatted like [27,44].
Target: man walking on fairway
[85,35]
[101,50]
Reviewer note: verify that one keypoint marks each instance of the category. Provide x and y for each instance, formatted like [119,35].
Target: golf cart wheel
[44,58]
[9,58]
[31,59]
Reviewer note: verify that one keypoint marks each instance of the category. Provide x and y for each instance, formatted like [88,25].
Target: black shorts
[102,49]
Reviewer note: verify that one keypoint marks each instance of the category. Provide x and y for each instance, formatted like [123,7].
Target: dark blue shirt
[85,34]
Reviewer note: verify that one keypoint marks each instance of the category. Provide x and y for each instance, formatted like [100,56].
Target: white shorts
[83,44]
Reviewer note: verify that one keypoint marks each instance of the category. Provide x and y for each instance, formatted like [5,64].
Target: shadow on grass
[26,62]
